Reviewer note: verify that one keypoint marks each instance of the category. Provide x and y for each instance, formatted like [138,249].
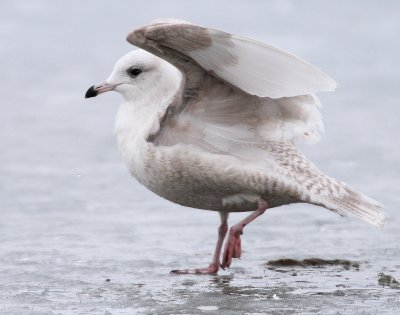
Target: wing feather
[234,89]
[254,67]
[260,69]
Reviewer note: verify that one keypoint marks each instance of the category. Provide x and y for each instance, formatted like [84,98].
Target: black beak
[91,92]
[95,90]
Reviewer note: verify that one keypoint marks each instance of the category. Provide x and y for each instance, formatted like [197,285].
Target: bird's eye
[134,71]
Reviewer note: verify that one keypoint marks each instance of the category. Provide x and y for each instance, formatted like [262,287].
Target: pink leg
[233,245]
[214,266]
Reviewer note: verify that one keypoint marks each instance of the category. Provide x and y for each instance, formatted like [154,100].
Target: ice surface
[79,236]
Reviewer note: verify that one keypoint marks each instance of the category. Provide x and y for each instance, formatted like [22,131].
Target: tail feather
[358,205]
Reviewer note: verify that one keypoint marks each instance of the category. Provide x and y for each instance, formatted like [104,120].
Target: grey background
[71,217]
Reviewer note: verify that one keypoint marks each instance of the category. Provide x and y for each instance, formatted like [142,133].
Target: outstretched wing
[234,91]
[254,67]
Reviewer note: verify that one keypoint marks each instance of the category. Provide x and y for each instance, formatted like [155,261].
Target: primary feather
[260,69]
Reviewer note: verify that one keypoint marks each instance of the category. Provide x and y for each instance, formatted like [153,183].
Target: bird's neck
[140,117]
[134,123]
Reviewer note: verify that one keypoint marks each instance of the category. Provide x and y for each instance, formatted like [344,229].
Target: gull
[210,120]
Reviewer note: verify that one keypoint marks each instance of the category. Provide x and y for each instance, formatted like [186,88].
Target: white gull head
[138,75]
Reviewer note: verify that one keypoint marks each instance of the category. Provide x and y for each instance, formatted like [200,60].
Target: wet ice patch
[312,262]
[388,281]
[208,308]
